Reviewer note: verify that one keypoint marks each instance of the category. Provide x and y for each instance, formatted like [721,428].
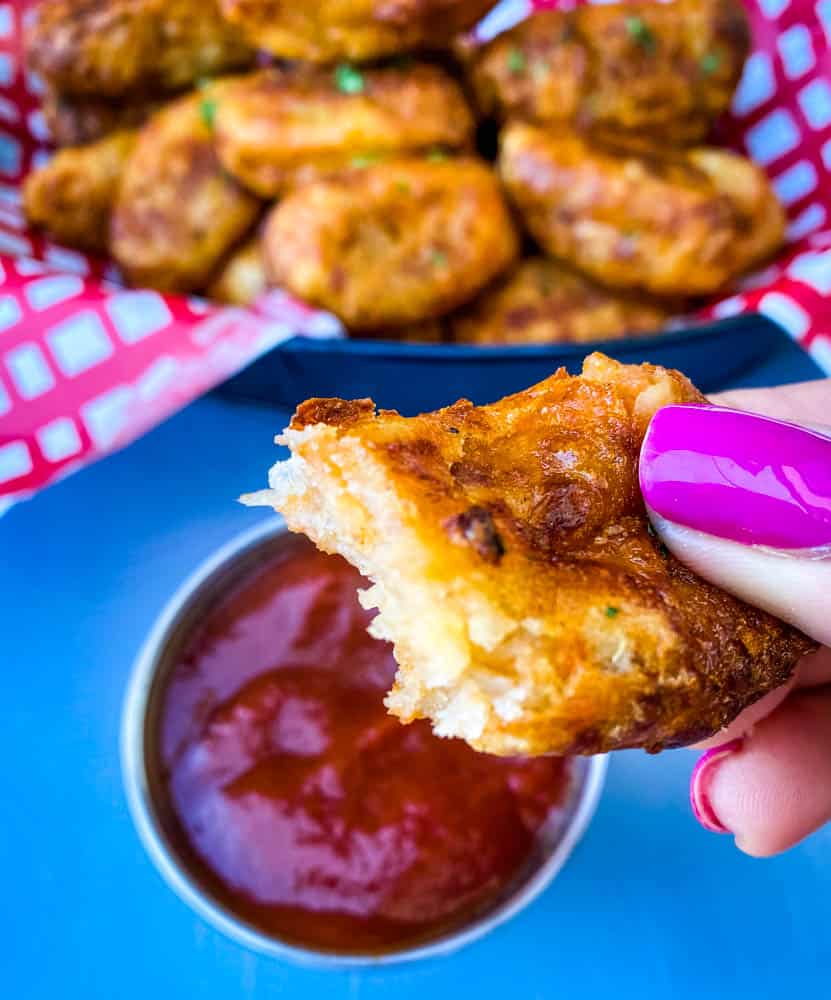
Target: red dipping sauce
[311,813]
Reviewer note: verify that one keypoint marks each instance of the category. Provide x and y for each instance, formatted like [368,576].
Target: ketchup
[309,811]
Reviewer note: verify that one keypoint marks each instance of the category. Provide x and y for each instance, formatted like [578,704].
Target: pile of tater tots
[552,184]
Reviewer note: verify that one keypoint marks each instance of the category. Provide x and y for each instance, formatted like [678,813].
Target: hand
[746,502]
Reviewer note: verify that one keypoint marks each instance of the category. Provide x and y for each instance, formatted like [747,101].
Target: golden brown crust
[537,71]
[278,128]
[77,121]
[683,223]
[542,302]
[72,195]
[109,48]
[325,31]
[666,70]
[178,213]
[242,279]
[531,606]
[394,243]
[335,412]
[760,216]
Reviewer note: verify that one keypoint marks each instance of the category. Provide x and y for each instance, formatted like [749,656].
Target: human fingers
[772,788]
[745,501]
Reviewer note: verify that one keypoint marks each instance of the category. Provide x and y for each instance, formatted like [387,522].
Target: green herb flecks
[640,32]
[207,112]
[612,612]
[207,107]
[438,258]
[365,160]
[349,80]
[437,155]
[403,187]
[515,61]
[710,63]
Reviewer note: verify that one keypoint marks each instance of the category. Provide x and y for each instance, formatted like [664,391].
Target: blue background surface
[649,905]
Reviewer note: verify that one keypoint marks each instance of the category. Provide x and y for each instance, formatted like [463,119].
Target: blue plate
[413,378]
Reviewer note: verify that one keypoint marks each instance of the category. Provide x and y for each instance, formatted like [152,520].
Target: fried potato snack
[322,31]
[543,302]
[682,223]
[531,609]
[109,48]
[648,69]
[666,70]
[76,121]
[177,212]
[72,195]
[278,128]
[393,244]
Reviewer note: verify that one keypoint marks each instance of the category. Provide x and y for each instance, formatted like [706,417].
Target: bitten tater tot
[530,607]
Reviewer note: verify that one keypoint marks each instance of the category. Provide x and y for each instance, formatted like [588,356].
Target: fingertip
[774,788]
[753,850]
[701,786]
[739,476]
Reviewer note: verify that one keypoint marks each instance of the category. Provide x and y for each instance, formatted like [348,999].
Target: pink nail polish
[739,476]
[700,785]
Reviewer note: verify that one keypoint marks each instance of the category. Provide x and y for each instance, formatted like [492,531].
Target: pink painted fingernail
[700,782]
[739,476]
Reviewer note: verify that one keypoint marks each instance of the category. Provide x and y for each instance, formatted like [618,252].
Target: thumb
[744,500]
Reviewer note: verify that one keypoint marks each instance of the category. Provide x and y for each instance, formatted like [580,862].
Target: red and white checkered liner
[86,366]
